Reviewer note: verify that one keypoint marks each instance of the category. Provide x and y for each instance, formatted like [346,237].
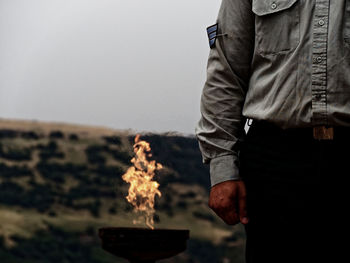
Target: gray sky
[137,64]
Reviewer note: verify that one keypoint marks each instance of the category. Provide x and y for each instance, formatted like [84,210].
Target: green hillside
[59,183]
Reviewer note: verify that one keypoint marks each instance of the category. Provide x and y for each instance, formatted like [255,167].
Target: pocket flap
[264,7]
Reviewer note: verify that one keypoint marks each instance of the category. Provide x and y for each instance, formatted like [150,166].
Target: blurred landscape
[59,183]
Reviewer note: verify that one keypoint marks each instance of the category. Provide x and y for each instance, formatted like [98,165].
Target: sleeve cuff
[224,168]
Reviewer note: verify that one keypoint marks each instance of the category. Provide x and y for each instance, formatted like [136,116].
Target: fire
[142,190]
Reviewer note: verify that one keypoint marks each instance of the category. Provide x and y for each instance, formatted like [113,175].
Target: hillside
[60,182]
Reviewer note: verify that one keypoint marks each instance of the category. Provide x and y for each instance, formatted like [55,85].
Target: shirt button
[321,22]
[319,59]
[273,5]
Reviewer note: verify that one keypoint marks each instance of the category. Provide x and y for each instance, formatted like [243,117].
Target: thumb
[242,203]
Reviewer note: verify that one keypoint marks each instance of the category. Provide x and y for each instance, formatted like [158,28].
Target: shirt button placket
[318,96]
[321,22]
[319,62]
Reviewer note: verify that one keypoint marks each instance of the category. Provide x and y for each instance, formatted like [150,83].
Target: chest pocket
[347,23]
[277,25]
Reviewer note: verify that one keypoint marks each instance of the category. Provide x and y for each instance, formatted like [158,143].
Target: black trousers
[297,195]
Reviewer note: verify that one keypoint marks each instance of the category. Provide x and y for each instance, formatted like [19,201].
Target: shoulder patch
[212,34]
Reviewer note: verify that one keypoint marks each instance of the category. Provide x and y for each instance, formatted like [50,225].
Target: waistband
[315,133]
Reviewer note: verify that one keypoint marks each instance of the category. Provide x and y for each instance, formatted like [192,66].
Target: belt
[323,133]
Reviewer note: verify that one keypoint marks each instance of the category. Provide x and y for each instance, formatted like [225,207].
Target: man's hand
[228,201]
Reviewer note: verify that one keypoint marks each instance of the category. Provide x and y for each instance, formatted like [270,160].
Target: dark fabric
[297,194]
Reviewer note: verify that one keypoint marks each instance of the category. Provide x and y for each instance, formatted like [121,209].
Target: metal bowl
[143,244]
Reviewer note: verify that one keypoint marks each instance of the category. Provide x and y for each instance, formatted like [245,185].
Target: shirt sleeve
[221,126]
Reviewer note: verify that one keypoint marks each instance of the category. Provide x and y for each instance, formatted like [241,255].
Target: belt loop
[249,122]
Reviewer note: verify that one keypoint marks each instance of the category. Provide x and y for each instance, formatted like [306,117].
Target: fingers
[227,212]
[242,203]
[223,200]
[230,217]
[228,201]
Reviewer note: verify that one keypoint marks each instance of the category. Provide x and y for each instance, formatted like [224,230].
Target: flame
[142,190]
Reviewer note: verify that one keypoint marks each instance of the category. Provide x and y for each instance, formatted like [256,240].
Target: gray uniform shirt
[284,61]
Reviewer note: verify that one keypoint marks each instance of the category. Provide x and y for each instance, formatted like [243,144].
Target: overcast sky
[126,64]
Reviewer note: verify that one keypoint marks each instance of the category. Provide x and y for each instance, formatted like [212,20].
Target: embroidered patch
[212,34]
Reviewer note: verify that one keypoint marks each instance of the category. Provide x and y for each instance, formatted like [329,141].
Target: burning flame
[142,190]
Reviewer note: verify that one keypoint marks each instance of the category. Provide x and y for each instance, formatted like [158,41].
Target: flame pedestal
[142,245]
